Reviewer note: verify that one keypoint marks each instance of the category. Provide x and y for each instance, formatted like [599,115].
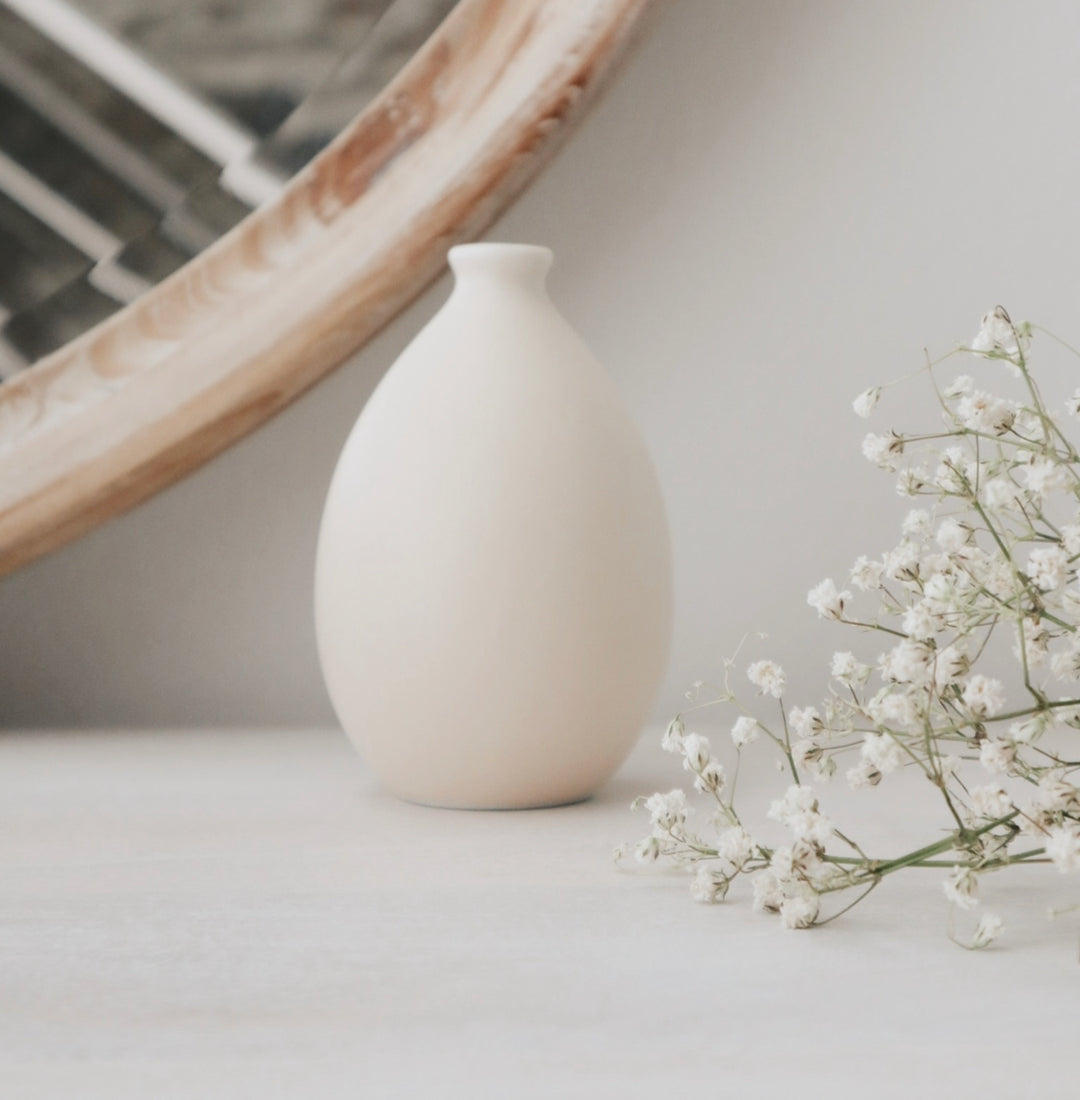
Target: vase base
[493,806]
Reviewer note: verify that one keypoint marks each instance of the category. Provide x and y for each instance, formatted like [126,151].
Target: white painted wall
[777,205]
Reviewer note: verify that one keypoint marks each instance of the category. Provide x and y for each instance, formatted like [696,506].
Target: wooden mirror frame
[301,284]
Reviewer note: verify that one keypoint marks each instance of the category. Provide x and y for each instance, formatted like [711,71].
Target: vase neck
[522,265]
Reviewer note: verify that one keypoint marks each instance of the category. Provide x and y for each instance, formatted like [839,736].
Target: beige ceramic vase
[493,588]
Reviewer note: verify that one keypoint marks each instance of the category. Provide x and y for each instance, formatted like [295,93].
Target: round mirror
[204,209]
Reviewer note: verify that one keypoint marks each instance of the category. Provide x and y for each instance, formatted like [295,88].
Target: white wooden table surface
[245,914]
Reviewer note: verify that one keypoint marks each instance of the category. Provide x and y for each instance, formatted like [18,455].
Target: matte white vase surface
[493,580]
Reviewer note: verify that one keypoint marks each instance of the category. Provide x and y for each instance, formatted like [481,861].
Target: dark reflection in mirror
[133,133]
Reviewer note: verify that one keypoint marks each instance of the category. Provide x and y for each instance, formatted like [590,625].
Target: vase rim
[496,249]
[492,262]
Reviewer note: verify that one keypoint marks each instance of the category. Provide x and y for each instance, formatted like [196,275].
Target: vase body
[493,587]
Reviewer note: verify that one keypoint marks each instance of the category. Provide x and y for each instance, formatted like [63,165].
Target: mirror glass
[134,133]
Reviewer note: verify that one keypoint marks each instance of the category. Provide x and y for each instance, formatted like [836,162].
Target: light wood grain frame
[209,354]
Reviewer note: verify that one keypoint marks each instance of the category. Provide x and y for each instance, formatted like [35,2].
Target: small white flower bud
[826,600]
[1063,847]
[647,850]
[997,756]
[708,886]
[987,930]
[962,887]
[744,731]
[711,778]
[768,677]
[866,574]
[866,402]
[862,776]
[672,740]
[735,845]
[768,894]
[799,910]
[984,697]
[667,810]
[695,752]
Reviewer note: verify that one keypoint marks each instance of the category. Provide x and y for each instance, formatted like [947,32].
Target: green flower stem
[935,849]
[992,530]
[787,745]
[1035,855]
[1049,426]
[873,626]
[854,847]
[1045,705]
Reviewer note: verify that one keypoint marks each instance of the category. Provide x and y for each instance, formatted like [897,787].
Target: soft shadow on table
[645,770]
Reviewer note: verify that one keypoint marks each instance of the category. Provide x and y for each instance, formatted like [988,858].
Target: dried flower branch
[991,556]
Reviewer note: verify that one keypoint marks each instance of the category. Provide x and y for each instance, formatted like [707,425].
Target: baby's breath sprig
[992,552]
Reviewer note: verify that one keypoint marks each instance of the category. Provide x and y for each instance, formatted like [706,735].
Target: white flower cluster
[992,551]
